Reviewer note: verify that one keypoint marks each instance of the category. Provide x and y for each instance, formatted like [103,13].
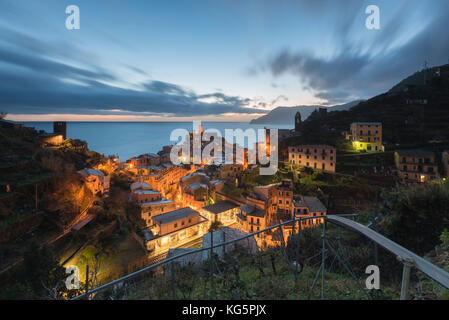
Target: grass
[243,276]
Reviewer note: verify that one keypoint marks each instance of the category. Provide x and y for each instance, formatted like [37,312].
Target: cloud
[363,66]
[41,78]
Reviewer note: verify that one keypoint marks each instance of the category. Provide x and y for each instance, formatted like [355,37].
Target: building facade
[173,228]
[273,204]
[155,208]
[224,212]
[416,165]
[366,136]
[95,180]
[317,157]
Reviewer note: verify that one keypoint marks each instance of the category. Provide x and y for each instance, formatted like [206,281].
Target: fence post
[297,249]
[211,260]
[376,254]
[323,258]
[224,240]
[408,264]
[173,284]
[87,282]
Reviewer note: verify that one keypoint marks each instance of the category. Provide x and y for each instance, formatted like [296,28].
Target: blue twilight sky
[212,60]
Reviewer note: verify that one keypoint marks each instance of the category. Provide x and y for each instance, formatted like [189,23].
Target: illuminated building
[366,136]
[273,204]
[155,208]
[95,180]
[317,157]
[224,212]
[148,159]
[173,228]
[196,190]
[416,165]
[231,171]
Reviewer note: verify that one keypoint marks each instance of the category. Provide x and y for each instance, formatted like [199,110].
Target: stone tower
[297,121]
[61,128]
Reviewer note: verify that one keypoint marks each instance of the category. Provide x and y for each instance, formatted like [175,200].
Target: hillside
[285,115]
[413,114]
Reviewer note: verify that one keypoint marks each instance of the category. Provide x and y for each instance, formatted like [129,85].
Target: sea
[130,139]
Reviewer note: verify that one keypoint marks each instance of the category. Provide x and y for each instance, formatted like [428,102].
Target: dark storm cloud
[40,78]
[361,69]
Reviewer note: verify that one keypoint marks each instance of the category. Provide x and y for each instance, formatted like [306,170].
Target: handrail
[425,266]
[431,270]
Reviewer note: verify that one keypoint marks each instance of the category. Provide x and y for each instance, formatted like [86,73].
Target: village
[182,204]
[110,217]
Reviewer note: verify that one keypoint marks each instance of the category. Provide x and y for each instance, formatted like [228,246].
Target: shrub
[419,215]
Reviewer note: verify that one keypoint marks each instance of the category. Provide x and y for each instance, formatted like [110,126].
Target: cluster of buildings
[180,203]
[269,205]
[197,190]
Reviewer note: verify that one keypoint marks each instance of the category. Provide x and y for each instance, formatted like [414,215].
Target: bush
[444,237]
[419,215]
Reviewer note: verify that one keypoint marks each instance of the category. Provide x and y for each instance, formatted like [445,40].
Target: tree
[41,270]
[419,215]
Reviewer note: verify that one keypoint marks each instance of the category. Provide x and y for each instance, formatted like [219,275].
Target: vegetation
[239,275]
[419,214]
[444,237]
[41,276]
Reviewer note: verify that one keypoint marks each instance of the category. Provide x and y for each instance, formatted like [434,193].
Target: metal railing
[408,258]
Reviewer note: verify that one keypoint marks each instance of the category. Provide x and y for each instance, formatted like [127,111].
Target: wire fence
[311,259]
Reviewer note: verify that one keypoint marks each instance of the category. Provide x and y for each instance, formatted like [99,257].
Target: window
[176,225]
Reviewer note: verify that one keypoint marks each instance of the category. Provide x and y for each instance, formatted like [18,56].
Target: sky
[214,60]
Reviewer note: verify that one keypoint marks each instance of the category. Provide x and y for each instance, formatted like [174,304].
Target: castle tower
[61,128]
[297,121]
